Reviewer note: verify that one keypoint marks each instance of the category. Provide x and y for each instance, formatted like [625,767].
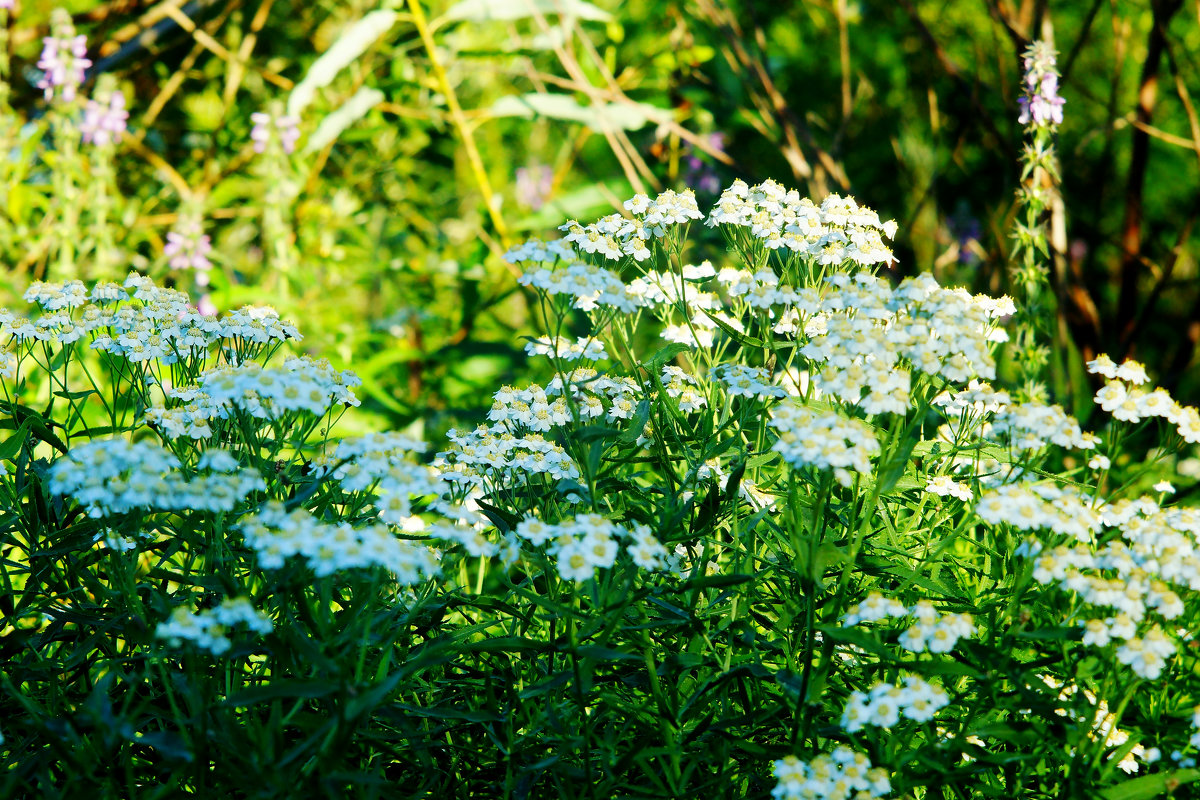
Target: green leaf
[507,10]
[12,445]
[1149,786]
[598,116]
[353,42]
[75,395]
[894,469]
[715,581]
[737,336]
[336,122]
[1051,634]
[605,653]
[668,353]
[638,424]
[857,637]
[503,520]
[280,690]
[39,426]
[826,556]
[596,433]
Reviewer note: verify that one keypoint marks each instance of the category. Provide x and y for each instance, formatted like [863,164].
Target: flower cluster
[591,287]
[64,60]
[748,490]
[104,122]
[977,400]
[140,322]
[1032,426]
[1028,505]
[809,438]
[837,231]
[683,388]
[885,704]
[1121,582]
[616,237]
[1130,403]
[1103,724]
[945,486]
[276,535]
[494,455]
[188,247]
[586,348]
[385,464]
[740,380]
[208,629]
[117,542]
[586,542]
[57,296]
[515,441]
[299,385]
[933,632]
[283,128]
[869,338]
[114,476]
[840,775]
[1040,103]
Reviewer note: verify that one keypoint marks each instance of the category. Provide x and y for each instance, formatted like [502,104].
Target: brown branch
[777,116]
[998,13]
[1081,40]
[1131,227]
[954,73]
[1165,273]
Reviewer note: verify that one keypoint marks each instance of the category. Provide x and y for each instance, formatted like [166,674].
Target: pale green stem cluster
[1031,259]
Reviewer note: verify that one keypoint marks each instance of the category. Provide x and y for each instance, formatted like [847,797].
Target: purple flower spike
[63,64]
[1041,105]
[286,127]
[104,124]
[187,247]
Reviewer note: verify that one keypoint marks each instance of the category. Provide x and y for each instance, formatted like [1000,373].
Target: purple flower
[205,306]
[187,247]
[6,5]
[533,185]
[700,175]
[287,127]
[63,62]
[1041,104]
[103,124]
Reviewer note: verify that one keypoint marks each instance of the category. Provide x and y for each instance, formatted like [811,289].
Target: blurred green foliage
[910,106]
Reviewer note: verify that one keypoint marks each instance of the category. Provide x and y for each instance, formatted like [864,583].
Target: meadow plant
[1041,112]
[765,527]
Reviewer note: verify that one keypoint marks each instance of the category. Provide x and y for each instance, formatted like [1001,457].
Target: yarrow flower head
[64,59]
[1041,104]
[885,704]
[584,543]
[276,535]
[208,629]
[840,775]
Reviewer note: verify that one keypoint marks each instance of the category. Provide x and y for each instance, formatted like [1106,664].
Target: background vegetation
[433,137]
[397,222]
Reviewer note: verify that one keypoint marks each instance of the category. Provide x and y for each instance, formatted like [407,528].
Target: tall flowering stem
[1041,114]
[274,136]
[63,61]
[104,122]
